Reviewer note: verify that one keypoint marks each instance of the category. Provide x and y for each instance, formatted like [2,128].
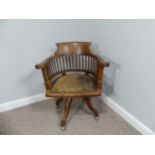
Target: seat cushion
[74,83]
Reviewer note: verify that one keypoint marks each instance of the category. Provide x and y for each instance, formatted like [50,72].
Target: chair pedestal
[67,106]
[91,108]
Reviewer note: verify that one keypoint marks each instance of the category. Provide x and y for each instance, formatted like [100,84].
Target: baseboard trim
[142,128]
[21,102]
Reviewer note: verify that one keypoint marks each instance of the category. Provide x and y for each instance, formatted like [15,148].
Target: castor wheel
[63,125]
[63,128]
[96,117]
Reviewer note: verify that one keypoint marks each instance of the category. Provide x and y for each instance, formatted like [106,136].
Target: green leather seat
[74,83]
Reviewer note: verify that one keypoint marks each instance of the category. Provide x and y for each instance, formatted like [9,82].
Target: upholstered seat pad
[74,83]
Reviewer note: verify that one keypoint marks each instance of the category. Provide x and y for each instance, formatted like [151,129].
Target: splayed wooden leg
[89,105]
[67,105]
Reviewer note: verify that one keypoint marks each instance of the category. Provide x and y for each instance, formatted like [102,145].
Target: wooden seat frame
[72,52]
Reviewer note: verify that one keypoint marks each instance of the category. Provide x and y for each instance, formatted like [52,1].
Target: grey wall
[130,81]
[23,43]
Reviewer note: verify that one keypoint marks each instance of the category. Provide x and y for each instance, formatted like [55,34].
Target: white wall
[23,43]
[130,81]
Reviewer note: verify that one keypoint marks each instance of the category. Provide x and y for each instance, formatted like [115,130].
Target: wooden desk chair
[73,71]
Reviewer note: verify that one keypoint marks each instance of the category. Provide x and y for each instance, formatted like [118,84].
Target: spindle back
[76,63]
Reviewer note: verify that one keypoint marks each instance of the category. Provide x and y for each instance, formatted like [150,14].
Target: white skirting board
[108,101]
[21,102]
[142,128]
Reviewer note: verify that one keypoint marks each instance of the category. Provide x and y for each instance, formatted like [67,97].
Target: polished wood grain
[71,57]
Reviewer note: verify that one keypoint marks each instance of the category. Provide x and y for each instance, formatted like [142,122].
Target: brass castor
[96,117]
[63,128]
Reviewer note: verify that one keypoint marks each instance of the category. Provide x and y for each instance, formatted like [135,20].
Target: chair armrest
[44,63]
[102,62]
[42,66]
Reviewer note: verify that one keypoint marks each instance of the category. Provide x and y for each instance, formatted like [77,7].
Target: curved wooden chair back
[66,48]
[73,57]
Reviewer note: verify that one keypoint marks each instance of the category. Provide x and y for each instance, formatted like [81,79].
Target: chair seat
[73,84]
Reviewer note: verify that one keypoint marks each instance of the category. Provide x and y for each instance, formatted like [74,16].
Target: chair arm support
[101,66]
[100,77]
[44,63]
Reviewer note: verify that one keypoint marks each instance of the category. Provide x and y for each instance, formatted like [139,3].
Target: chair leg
[88,103]
[58,102]
[67,105]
